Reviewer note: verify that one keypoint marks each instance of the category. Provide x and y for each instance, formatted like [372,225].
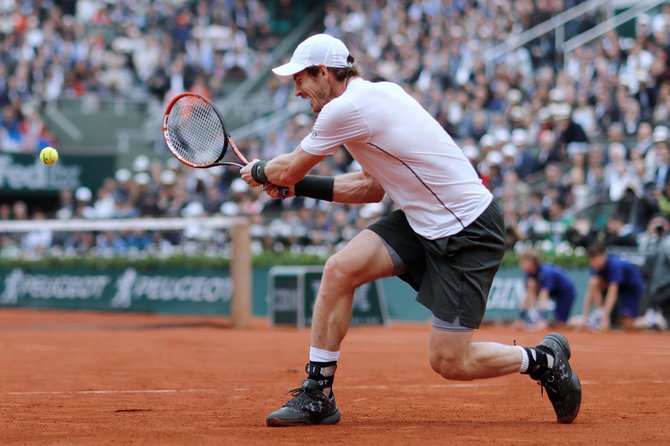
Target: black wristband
[258,172]
[315,186]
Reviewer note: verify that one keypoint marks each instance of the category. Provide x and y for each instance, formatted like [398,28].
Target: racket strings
[195,132]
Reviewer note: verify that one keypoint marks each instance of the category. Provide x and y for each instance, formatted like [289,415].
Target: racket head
[195,131]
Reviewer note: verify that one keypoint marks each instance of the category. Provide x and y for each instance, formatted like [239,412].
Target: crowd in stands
[548,140]
[576,146]
[140,49]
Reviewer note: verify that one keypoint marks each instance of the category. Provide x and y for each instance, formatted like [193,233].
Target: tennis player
[447,240]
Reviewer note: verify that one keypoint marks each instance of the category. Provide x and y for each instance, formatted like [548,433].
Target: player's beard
[320,98]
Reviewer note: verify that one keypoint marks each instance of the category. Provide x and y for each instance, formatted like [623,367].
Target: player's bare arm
[350,188]
[357,188]
[610,302]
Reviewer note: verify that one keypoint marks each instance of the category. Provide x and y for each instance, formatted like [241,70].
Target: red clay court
[92,378]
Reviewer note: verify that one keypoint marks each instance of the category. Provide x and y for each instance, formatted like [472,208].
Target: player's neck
[340,87]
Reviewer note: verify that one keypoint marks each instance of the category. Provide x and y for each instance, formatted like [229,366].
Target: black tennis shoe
[561,382]
[308,406]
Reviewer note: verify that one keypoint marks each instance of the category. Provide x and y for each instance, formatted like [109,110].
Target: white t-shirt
[413,158]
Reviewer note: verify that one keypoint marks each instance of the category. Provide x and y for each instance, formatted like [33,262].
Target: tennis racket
[196,134]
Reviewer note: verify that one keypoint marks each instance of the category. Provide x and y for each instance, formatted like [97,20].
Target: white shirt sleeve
[339,122]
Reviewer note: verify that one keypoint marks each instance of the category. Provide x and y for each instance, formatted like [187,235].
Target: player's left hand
[275,192]
[245,173]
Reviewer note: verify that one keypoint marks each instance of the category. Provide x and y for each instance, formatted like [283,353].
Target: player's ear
[323,70]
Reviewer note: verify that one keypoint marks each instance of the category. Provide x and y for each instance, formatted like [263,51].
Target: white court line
[624,382]
[110,392]
[647,350]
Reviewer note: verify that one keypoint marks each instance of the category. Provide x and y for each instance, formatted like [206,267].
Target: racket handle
[284,192]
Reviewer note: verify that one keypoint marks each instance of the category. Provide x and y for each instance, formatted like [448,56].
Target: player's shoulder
[347,102]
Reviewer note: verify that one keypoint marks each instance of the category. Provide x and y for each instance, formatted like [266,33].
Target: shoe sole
[282,422]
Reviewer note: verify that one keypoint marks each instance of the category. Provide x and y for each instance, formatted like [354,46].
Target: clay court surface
[90,378]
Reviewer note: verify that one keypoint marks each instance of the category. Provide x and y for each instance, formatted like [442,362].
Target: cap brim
[288,69]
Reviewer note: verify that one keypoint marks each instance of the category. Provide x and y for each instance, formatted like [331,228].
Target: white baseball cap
[320,49]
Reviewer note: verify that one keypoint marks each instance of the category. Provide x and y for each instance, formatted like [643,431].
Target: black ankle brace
[322,372]
[537,361]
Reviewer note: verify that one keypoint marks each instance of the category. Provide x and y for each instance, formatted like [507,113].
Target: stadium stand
[564,146]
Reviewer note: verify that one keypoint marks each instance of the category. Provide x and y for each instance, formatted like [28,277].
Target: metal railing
[556,23]
[287,45]
[588,36]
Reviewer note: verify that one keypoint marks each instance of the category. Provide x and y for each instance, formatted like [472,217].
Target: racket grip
[283,191]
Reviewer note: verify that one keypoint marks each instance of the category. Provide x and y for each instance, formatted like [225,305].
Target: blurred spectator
[550,141]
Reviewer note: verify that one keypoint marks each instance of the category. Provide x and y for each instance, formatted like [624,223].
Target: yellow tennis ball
[49,155]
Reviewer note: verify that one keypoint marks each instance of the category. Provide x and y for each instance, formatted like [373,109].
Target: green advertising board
[507,292]
[23,174]
[292,292]
[168,290]
[287,294]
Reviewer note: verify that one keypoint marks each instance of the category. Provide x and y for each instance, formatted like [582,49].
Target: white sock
[318,355]
[524,359]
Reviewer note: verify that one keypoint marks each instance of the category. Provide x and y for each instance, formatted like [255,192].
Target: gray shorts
[453,275]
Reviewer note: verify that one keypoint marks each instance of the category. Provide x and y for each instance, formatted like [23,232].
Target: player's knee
[450,365]
[340,271]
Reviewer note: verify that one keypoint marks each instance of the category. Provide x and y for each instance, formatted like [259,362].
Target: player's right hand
[275,191]
[245,173]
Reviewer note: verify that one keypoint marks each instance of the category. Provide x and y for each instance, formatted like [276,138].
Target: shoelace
[298,394]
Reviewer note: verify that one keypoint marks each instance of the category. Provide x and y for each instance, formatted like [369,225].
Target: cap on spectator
[122,175]
[643,19]
[494,158]
[544,114]
[517,113]
[470,151]
[502,136]
[193,209]
[487,140]
[239,186]
[229,208]
[514,96]
[83,193]
[320,49]
[519,137]
[626,43]
[509,151]
[556,95]
[575,148]
[142,178]
[660,134]
[141,163]
[561,110]
[616,149]
[168,177]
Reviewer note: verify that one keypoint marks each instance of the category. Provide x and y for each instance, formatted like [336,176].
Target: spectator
[656,271]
